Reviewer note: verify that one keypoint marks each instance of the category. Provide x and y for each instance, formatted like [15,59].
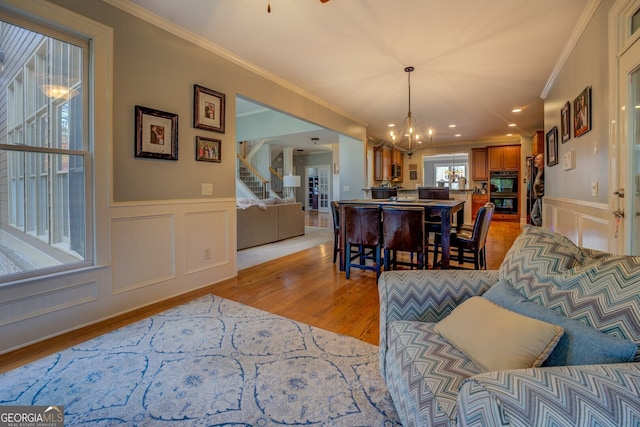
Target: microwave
[396,171]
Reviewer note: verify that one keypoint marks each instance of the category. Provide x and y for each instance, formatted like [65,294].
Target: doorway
[317,188]
[626,198]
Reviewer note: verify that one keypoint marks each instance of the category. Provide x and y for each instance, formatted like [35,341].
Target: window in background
[44,154]
[449,173]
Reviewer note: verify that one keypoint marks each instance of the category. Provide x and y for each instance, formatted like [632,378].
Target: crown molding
[588,12]
[153,19]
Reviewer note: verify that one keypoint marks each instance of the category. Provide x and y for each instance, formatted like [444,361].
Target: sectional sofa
[267,223]
[550,339]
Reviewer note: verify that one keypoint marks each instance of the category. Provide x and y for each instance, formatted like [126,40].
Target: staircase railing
[276,181]
[255,176]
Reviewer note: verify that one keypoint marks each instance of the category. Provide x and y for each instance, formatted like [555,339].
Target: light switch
[569,160]
[594,189]
[207,189]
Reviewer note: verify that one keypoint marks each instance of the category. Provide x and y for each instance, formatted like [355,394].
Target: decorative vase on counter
[462,183]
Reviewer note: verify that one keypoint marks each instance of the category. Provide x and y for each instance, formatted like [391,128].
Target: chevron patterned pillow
[604,294]
[580,344]
[538,253]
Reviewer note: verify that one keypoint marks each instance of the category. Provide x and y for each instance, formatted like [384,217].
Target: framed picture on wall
[565,122]
[552,146]
[582,113]
[208,109]
[156,134]
[208,149]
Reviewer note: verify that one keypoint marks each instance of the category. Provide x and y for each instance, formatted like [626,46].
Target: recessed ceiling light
[509,134]
[391,125]
[512,125]
[452,126]
[458,135]
[516,110]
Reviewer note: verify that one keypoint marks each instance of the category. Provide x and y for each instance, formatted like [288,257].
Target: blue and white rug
[210,362]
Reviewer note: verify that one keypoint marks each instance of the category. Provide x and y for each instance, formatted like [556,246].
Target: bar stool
[470,245]
[403,230]
[433,222]
[335,211]
[383,193]
[362,230]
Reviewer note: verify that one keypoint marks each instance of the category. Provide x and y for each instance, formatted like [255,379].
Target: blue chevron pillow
[580,344]
[538,253]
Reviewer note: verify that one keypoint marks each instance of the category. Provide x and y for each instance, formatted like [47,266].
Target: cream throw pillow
[495,338]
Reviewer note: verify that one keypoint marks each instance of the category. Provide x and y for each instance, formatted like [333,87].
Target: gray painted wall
[586,66]
[352,169]
[156,69]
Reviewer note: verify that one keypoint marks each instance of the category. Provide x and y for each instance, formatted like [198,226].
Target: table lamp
[290,182]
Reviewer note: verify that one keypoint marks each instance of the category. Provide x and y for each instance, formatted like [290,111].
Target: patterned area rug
[210,362]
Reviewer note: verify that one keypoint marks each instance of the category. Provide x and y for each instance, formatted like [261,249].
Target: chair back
[383,193]
[335,212]
[481,225]
[403,228]
[362,225]
[436,193]
[490,208]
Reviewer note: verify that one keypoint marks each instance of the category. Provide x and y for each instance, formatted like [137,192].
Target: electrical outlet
[594,189]
[206,253]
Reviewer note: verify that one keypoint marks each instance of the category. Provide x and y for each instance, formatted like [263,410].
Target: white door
[629,150]
[323,188]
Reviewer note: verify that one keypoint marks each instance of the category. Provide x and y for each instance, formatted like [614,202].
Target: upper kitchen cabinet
[537,142]
[479,164]
[504,158]
[387,164]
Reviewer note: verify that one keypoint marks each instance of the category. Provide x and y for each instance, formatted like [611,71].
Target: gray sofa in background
[257,226]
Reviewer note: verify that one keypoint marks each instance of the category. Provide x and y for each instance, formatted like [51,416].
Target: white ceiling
[474,60]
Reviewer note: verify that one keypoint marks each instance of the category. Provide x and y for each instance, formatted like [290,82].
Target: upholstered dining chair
[383,192]
[403,230]
[335,211]
[432,222]
[362,225]
[470,245]
[437,193]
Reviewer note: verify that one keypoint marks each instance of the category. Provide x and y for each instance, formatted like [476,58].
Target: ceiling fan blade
[324,1]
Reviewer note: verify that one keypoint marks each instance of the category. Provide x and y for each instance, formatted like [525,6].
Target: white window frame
[98,124]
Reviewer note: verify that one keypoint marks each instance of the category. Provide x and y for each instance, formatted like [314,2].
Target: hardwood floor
[305,286]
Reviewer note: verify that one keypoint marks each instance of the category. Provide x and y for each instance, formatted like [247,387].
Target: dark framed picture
[565,122]
[208,109]
[156,134]
[552,146]
[208,149]
[582,113]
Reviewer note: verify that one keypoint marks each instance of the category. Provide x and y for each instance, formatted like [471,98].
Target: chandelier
[408,138]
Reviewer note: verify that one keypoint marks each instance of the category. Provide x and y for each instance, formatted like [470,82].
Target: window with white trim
[44,152]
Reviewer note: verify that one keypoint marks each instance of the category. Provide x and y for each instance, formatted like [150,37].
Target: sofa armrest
[426,295]
[603,395]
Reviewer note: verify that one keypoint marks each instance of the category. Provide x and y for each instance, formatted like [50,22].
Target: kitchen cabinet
[384,158]
[479,164]
[504,158]
[477,201]
[537,142]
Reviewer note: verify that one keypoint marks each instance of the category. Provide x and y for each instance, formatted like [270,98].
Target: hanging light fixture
[408,138]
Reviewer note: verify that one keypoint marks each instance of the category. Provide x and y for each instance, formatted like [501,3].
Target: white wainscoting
[152,251]
[589,225]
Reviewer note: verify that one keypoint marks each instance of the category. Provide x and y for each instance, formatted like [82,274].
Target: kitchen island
[455,194]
